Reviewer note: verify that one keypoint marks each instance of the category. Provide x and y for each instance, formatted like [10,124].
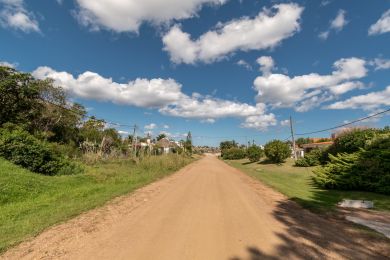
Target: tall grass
[31,202]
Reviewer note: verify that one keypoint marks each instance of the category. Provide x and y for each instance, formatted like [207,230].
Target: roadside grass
[296,183]
[31,202]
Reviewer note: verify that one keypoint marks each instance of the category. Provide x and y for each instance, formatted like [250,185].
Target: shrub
[21,148]
[254,153]
[234,153]
[313,158]
[302,162]
[226,145]
[352,141]
[277,151]
[367,169]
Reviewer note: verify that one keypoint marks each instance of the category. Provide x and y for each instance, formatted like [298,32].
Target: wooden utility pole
[134,142]
[293,139]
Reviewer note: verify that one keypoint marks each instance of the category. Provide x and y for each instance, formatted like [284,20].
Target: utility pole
[134,142]
[293,139]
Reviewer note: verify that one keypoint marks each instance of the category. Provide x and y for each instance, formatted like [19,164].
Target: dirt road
[208,210]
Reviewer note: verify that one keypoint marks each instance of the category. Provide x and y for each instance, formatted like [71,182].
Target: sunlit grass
[296,183]
[30,202]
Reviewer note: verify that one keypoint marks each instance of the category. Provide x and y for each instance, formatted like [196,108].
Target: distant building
[321,145]
[166,146]
[298,151]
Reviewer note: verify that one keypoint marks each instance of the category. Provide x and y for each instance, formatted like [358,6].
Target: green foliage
[277,151]
[188,144]
[254,153]
[38,105]
[313,158]
[338,173]
[296,183]
[227,145]
[301,162]
[161,136]
[23,149]
[19,97]
[374,164]
[367,169]
[352,141]
[300,141]
[234,153]
[92,130]
[324,140]
[31,202]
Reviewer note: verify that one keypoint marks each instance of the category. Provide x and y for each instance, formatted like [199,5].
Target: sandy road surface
[208,210]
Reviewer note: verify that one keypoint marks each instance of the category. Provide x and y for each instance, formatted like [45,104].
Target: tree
[188,143]
[92,130]
[227,145]
[367,169]
[300,141]
[39,106]
[59,120]
[19,98]
[254,153]
[161,136]
[234,153]
[277,151]
[351,141]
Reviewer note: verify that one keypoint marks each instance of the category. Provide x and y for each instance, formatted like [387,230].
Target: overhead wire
[346,124]
[232,136]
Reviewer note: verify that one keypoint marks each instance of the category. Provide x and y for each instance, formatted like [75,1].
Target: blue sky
[222,69]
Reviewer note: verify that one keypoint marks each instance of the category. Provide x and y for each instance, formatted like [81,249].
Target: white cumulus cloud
[382,25]
[8,64]
[380,64]
[14,15]
[244,64]
[337,24]
[264,31]
[150,126]
[285,122]
[128,15]
[162,94]
[140,92]
[370,101]
[205,107]
[260,122]
[307,91]
[267,64]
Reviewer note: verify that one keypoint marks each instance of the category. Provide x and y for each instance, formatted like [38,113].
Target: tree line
[276,151]
[358,158]
[42,130]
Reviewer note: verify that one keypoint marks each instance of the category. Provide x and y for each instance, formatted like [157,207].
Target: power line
[223,137]
[349,123]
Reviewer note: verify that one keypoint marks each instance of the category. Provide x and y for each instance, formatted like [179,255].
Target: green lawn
[296,184]
[30,202]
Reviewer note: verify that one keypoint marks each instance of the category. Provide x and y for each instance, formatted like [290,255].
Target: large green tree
[38,106]
[19,98]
